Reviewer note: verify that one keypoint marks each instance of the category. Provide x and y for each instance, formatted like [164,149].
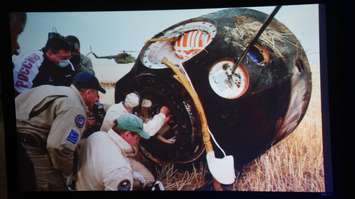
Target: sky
[109,32]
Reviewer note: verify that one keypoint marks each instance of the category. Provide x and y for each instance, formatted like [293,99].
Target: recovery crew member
[50,121]
[49,65]
[81,62]
[107,158]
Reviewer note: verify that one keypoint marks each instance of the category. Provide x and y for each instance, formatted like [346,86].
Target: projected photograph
[225,99]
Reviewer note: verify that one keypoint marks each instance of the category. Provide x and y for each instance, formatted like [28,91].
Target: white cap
[131,100]
[146,103]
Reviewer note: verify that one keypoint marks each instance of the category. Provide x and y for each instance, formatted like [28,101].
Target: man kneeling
[106,158]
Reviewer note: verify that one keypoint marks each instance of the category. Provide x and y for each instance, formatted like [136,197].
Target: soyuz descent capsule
[248,109]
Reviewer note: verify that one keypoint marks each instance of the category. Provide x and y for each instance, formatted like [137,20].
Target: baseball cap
[131,100]
[131,122]
[87,80]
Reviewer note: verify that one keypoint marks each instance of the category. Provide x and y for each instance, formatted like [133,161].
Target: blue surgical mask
[63,63]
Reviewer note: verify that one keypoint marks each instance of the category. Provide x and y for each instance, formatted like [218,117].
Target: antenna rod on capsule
[256,37]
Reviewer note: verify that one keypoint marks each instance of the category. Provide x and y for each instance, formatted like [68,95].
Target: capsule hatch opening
[179,44]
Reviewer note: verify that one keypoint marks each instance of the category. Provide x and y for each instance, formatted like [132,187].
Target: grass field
[294,164]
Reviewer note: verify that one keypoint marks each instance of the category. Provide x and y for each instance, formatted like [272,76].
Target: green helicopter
[123,57]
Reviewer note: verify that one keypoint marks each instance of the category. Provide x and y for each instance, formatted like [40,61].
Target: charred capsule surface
[249,107]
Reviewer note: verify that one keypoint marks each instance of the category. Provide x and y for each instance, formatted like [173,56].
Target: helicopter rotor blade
[95,55]
[104,57]
[128,51]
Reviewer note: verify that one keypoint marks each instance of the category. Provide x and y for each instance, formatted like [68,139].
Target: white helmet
[131,100]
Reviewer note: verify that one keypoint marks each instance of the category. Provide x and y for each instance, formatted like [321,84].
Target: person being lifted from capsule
[107,158]
[130,102]
[49,65]
[50,121]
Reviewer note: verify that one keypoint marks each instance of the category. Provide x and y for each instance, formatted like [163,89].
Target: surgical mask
[63,63]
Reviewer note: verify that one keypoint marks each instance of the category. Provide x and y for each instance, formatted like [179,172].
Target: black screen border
[333,83]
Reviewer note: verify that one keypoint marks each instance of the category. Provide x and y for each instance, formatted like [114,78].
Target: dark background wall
[340,58]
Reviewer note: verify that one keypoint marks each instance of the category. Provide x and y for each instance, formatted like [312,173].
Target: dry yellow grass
[294,164]
[174,179]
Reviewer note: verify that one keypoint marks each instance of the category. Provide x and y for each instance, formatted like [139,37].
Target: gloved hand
[172,140]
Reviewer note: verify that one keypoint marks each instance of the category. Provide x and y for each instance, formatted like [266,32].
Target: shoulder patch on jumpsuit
[80,121]
[73,136]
